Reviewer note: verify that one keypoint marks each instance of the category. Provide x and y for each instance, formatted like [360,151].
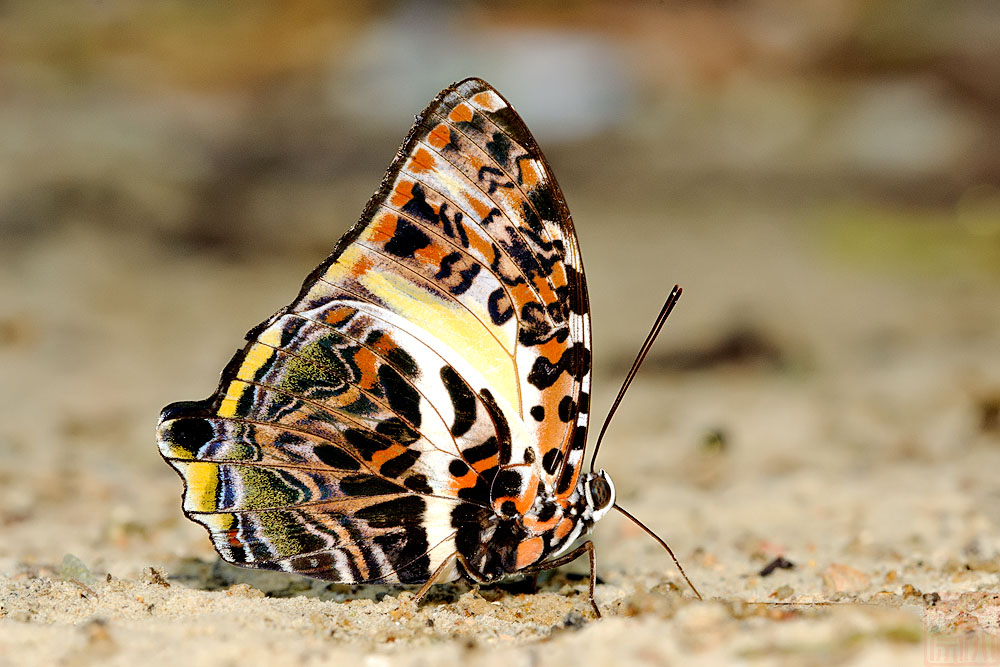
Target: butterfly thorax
[506,545]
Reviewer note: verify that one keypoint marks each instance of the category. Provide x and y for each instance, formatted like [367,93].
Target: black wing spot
[365,442]
[397,465]
[407,239]
[393,513]
[507,483]
[565,479]
[395,355]
[576,297]
[462,400]
[396,430]
[522,255]
[418,207]
[403,398]
[544,373]
[463,236]
[547,512]
[468,275]
[494,178]
[535,228]
[575,360]
[551,460]
[446,263]
[500,307]
[500,423]
[534,326]
[557,309]
[190,434]
[446,225]
[482,451]
[538,412]
[567,409]
[335,457]
[453,227]
[499,147]
[418,484]
[542,201]
[368,485]
[490,216]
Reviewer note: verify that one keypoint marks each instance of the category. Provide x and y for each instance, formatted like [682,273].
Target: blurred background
[821,177]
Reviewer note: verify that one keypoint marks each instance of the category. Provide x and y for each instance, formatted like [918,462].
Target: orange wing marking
[509,176]
[534,287]
[489,197]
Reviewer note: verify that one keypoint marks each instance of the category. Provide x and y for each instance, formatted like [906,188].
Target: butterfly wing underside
[364,430]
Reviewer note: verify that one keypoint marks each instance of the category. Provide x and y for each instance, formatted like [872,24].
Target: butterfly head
[599,492]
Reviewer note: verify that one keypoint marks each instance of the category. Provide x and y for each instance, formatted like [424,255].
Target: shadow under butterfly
[418,414]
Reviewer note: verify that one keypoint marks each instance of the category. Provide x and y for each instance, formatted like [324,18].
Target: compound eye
[600,492]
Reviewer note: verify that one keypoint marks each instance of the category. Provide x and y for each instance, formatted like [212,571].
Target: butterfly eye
[600,492]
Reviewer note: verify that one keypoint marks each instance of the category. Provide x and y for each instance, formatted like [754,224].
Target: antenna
[661,319]
[662,544]
[671,301]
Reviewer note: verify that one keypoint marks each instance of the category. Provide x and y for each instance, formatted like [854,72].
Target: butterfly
[419,412]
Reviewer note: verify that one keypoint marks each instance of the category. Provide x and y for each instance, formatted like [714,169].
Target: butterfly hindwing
[433,368]
[323,416]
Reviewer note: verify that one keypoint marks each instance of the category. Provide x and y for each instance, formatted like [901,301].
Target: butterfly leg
[472,575]
[587,546]
[434,577]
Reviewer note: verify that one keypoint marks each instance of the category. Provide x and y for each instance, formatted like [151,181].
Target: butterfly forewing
[433,368]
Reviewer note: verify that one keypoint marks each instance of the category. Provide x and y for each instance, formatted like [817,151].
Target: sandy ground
[822,179]
[805,401]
